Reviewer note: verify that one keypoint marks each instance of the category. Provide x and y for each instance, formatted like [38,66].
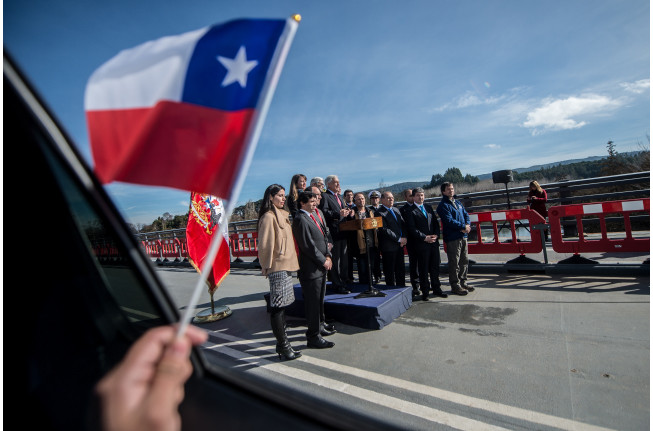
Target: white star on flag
[238,68]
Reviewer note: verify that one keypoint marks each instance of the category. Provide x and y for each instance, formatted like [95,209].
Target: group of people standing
[315,247]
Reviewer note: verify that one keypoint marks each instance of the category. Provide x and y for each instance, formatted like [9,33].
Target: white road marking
[424,412]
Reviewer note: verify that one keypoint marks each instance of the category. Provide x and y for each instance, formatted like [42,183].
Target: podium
[366,225]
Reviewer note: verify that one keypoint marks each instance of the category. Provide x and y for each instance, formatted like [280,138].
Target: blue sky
[380,91]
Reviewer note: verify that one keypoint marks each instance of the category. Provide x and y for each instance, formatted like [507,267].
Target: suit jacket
[393,229]
[331,209]
[419,226]
[312,245]
[405,209]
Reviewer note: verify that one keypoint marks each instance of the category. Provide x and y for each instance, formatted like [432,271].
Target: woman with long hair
[278,258]
[297,185]
[537,201]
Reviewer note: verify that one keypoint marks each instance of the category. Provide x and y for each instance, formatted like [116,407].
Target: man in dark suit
[392,239]
[410,245]
[314,262]
[336,211]
[424,232]
[351,237]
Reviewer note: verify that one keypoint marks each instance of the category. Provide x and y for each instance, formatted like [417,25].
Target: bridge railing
[489,220]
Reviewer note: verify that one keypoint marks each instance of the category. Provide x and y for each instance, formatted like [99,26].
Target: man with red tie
[336,211]
[314,262]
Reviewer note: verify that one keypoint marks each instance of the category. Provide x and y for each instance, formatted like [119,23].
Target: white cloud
[492,146]
[565,114]
[466,100]
[637,87]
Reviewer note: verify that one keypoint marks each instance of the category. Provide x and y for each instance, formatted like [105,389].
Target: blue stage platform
[370,313]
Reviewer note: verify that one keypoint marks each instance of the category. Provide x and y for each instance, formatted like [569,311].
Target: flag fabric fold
[205,214]
[176,111]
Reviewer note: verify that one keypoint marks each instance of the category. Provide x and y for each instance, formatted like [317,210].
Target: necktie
[339,202]
[423,210]
[318,225]
[320,217]
[395,216]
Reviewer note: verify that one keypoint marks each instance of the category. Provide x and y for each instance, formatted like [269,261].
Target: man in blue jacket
[455,222]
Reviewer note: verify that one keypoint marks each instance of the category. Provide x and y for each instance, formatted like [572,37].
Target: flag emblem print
[205,214]
[176,111]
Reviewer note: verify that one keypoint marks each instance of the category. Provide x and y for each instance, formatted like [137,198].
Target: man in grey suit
[314,262]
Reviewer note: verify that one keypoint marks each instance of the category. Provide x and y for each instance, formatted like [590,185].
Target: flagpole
[254,132]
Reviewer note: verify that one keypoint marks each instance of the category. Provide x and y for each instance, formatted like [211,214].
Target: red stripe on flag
[173,144]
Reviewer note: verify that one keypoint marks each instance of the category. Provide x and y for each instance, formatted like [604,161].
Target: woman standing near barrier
[297,185]
[278,257]
[537,201]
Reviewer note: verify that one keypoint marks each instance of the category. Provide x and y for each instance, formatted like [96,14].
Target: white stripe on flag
[141,76]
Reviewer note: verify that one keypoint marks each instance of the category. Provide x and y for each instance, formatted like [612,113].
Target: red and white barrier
[598,210]
[244,244]
[506,219]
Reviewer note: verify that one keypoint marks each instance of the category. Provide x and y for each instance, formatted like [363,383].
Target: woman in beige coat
[278,258]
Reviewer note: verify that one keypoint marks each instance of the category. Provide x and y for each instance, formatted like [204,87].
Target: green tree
[453,175]
[471,179]
[614,163]
[436,180]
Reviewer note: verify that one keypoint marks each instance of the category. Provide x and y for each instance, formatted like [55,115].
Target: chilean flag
[178,111]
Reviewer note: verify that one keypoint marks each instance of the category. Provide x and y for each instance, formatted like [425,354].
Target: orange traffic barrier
[598,210]
[152,248]
[507,219]
[168,249]
[244,244]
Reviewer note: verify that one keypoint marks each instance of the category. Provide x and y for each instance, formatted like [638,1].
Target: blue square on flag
[228,67]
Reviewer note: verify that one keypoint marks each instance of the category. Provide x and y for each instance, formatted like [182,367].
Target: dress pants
[458,260]
[412,265]
[428,263]
[394,267]
[339,270]
[313,290]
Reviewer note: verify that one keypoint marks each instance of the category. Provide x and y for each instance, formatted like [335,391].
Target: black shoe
[286,351]
[440,294]
[320,343]
[326,330]
[416,293]
[468,288]
[461,292]
[342,290]
[425,297]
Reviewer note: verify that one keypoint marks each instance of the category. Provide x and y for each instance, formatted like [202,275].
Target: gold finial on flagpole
[297,17]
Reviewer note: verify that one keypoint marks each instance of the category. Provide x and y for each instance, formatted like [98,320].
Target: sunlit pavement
[523,351]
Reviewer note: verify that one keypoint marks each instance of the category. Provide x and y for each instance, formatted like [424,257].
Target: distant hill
[396,189]
[548,165]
